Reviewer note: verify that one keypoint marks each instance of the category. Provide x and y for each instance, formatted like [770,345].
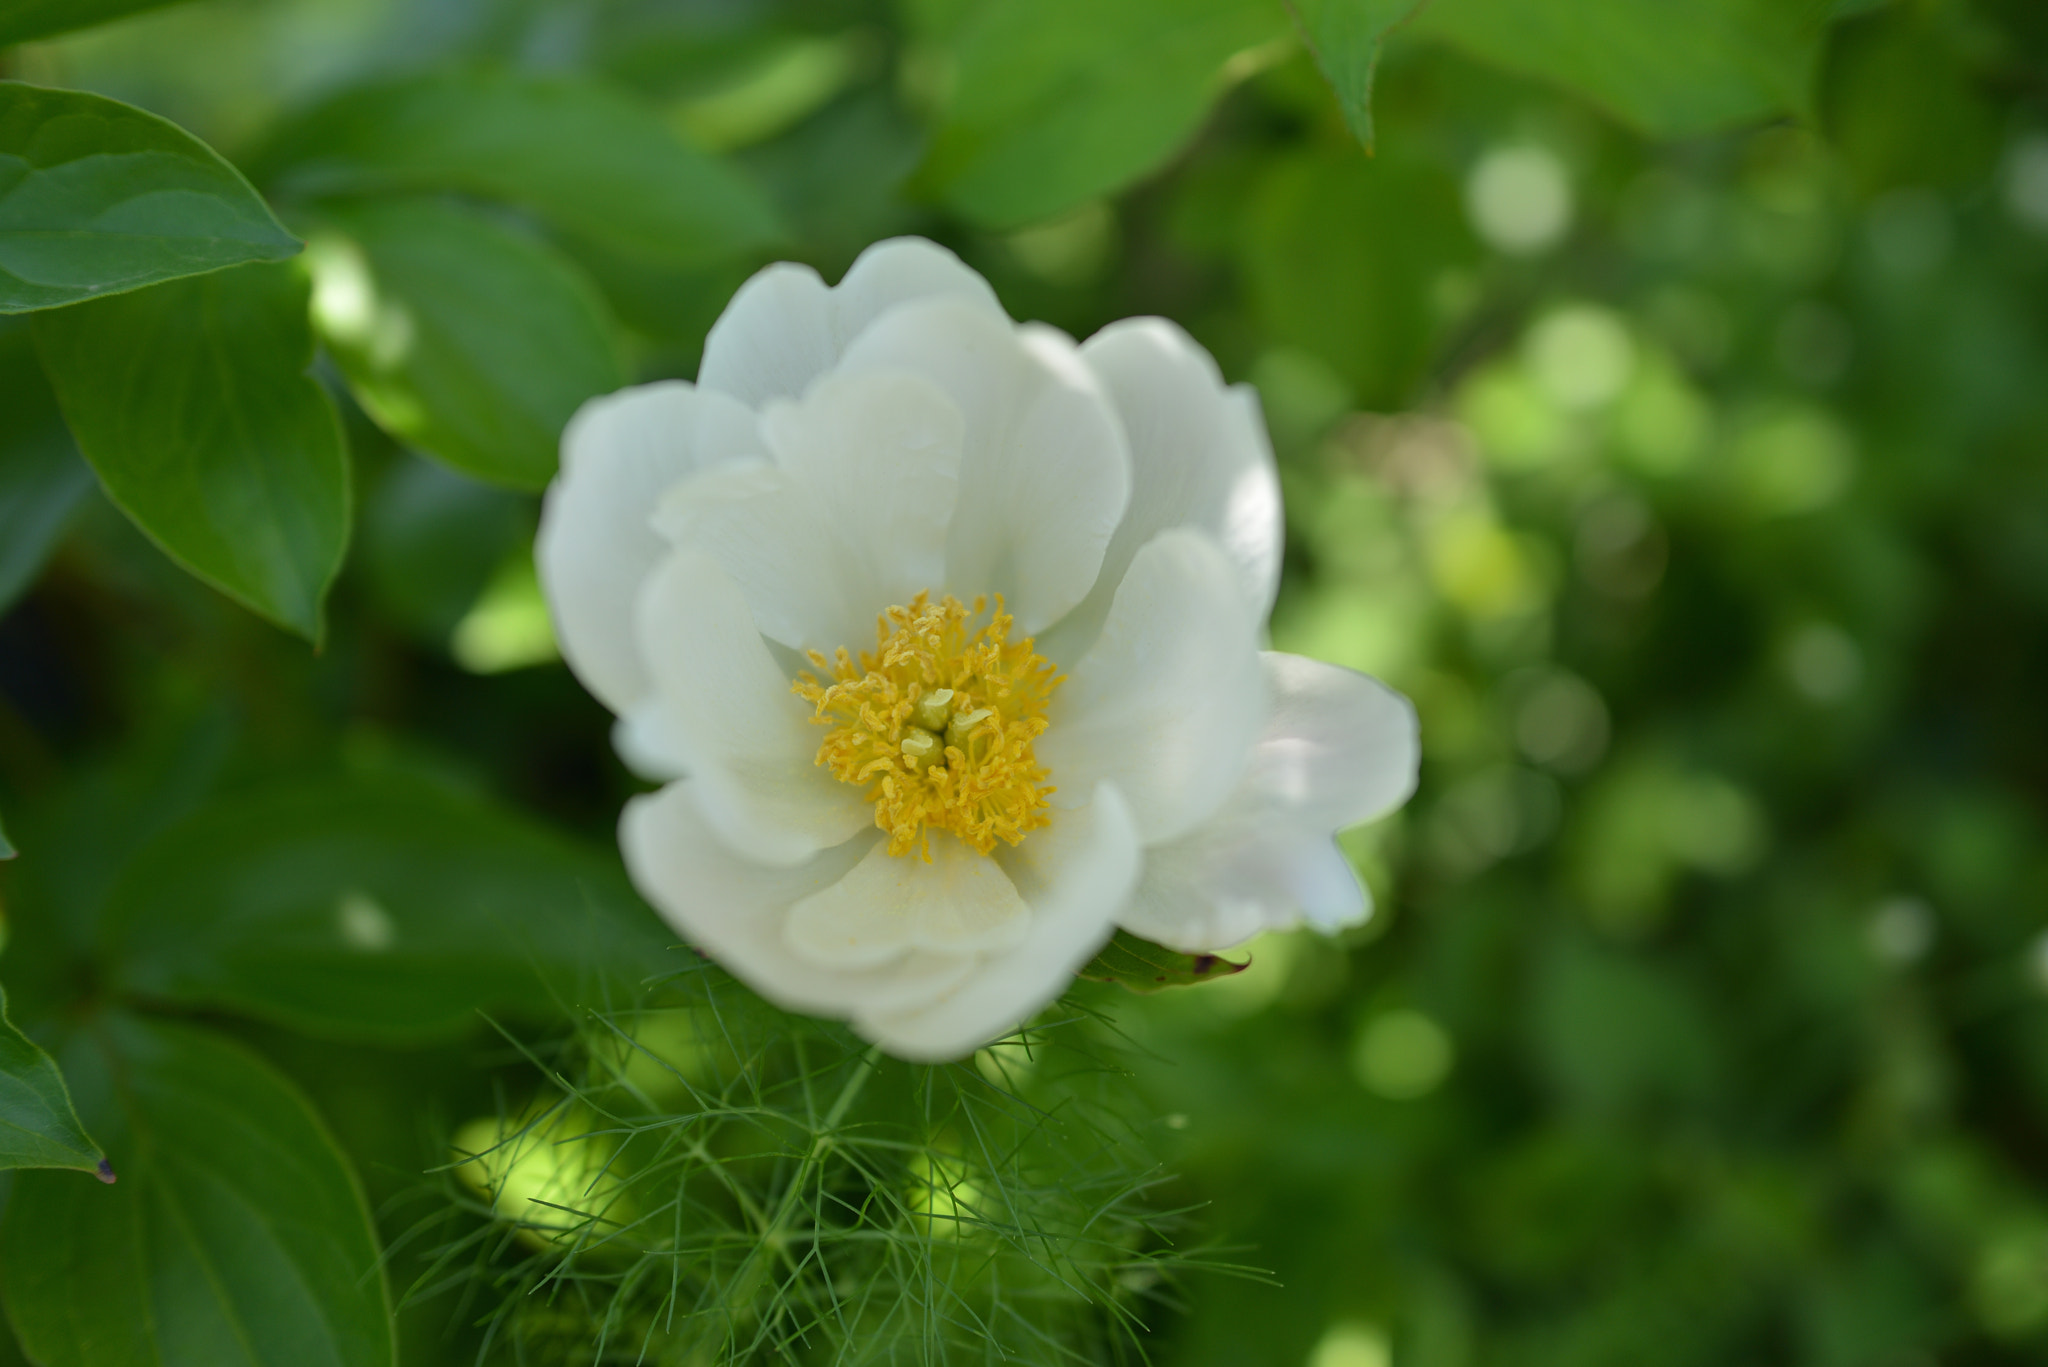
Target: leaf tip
[105,1172]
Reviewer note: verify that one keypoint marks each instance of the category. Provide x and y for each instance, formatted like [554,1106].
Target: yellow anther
[932,675]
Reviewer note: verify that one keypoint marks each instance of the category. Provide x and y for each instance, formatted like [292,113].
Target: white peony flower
[946,632]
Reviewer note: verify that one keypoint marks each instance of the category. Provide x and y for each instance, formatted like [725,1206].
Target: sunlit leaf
[1345,37]
[97,197]
[463,338]
[21,20]
[1059,101]
[192,402]
[237,1233]
[1673,69]
[38,1127]
[1145,967]
[377,907]
[1342,257]
[584,157]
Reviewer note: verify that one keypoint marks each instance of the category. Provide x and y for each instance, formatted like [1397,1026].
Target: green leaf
[1345,37]
[1342,257]
[7,851]
[191,400]
[1674,69]
[1902,107]
[21,20]
[1143,966]
[38,1127]
[99,198]
[238,1234]
[377,907]
[461,337]
[1060,101]
[587,159]
[42,480]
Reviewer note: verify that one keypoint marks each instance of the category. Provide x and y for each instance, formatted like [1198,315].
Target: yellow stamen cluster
[937,724]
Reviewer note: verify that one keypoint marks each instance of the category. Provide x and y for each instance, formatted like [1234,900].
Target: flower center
[937,724]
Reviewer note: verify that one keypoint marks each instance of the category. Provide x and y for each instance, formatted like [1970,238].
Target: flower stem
[774,1236]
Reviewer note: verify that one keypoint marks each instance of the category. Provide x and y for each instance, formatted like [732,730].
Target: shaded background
[1663,406]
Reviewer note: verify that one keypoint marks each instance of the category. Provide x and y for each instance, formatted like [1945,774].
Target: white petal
[1074,874]
[643,742]
[596,544]
[734,910]
[850,519]
[784,328]
[773,339]
[1045,475]
[899,271]
[1170,699]
[961,903]
[1234,877]
[1338,748]
[746,739]
[1199,458]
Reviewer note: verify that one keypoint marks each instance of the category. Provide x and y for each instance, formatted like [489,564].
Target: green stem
[773,1236]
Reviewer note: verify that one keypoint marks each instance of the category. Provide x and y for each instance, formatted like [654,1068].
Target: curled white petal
[734,909]
[1074,875]
[849,516]
[785,327]
[1168,702]
[747,741]
[960,902]
[1199,458]
[1338,748]
[919,1004]
[597,543]
[1045,474]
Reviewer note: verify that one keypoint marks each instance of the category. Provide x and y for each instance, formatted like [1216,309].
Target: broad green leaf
[1903,109]
[21,20]
[192,402]
[380,907]
[1145,967]
[1674,69]
[1059,101]
[97,197]
[1342,257]
[42,480]
[38,1127]
[237,1237]
[1345,37]
[461,337]
[584,157]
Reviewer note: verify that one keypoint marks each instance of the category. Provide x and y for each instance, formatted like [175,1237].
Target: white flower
[947,632]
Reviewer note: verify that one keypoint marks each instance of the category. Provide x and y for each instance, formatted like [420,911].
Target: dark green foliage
[580,155]
[465,339]
[192,403]
[97,198]
[21,20]
[374,906]
[236,1234]
[38,1128]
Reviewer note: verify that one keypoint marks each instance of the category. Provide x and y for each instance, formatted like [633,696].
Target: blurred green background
[1662,405]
